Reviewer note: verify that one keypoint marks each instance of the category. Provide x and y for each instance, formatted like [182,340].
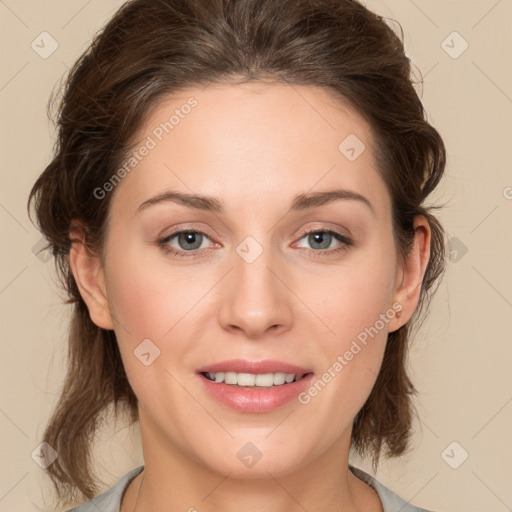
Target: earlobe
[410,275]
[89,276]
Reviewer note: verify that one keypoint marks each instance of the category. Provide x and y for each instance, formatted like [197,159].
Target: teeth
[251,380]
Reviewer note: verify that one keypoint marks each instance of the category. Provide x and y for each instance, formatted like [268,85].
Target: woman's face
[248,283]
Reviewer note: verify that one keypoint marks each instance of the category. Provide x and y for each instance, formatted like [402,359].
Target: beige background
[461,357]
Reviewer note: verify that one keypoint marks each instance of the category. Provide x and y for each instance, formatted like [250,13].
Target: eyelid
[163,242]
[325,229]
[345,240]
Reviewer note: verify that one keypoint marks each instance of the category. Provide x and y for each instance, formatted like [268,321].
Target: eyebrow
[299,203]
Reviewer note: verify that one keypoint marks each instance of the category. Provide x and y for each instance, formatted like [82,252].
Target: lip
[256,367]
[255,399]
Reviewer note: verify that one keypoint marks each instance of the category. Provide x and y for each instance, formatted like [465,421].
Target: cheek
[358,294]
[358,310]
[149,302]
[147,297]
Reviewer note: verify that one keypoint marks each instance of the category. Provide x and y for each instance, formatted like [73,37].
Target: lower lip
[256,399]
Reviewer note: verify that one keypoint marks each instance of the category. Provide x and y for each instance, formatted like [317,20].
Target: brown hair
[153,48]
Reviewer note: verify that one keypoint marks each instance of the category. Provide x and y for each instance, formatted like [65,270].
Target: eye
[188,241]
[321,240]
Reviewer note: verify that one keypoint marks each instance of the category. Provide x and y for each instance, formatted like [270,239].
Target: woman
[284,141]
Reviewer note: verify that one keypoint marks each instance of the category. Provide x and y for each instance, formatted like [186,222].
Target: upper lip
[255,367]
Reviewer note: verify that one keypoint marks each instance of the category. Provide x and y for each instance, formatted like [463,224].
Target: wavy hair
[151,49]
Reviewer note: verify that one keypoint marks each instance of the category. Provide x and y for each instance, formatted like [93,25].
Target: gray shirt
[110,500]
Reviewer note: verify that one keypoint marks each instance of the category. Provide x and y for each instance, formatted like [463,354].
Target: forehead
[241,142]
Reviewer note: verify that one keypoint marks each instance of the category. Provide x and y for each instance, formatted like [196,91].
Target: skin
[255,147]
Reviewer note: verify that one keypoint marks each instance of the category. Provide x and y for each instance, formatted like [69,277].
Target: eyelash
[347,242]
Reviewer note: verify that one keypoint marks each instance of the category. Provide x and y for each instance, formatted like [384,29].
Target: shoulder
[110,500]
[391,502]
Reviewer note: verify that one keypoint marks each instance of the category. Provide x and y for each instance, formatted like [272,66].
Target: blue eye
[190,241]
[324,237]
[184,238]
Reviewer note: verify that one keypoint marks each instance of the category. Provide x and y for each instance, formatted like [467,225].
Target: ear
[410,274]
[89,276]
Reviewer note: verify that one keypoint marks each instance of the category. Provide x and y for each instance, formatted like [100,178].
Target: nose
[255,300]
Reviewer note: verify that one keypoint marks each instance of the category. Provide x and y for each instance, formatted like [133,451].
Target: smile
[264,380]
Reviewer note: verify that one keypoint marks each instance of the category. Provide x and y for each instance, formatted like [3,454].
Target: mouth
[246,373]
[252,380]
[254,386]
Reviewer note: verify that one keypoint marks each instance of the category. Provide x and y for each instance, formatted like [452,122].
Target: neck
[178,483]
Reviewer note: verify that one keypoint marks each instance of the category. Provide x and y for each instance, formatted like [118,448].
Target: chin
[252,460]
[260,470]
